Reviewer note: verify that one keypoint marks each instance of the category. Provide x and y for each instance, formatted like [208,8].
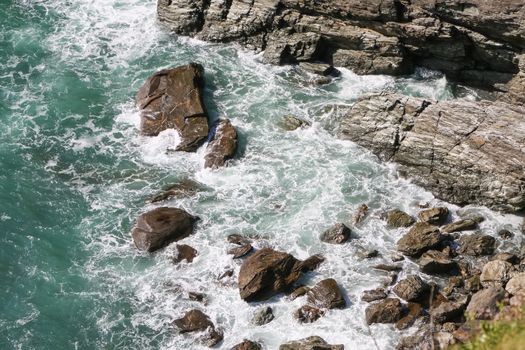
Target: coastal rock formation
[326,294]
[337,234]
[478,42]
[420,238]
[388,310]
[172,99]
[247,345]
[462,151]
[268,272]
[197,321]
[310,343]
[222,146]
[161,226]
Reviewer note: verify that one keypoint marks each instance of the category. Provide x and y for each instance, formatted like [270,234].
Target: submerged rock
[326,294]
[239,252]
[462,151]
[185,188]
[222,145]
[310,343]
[396,218]
[161,226]
[337,234]
[319,68]
[172,99]
[268,272]
[291,122]
[197,321]
[420,238]
[360,214]
[388,310]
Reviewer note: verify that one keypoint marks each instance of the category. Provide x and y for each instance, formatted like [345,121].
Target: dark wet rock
[308,314]
[239,252]
[462,151]
[197,321]
[496,273]
[326,294]
[310,343]
[312,263]
[505,234]
[196,296]
[422,340]
[411,288]
[337,234]
[226,274]
[263,316]
[368,254]
[420,238]
[373,295]
[484,304]
[516,285]
[299,292]
[222,145]
[437,262]
[238,239]
[268,272]
[172,99]
[396,218]
[319,68]
[460,225]
[185,188]
[291,122]
[434,216]
[184,252]
[360,214]
[387,267]
[159,227]
[247,345]
[388,310]
[476,244]
[453,283]
[448,311]
[414,311]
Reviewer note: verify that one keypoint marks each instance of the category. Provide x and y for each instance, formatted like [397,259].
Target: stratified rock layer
[462,151]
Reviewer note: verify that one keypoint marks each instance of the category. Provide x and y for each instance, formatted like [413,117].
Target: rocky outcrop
[326,294]
[462,151]
[222,146]
[197,321]
[268,272]
[478,42]
[396,218]
[420,238]
[172,99]
[434,216]
[161,226]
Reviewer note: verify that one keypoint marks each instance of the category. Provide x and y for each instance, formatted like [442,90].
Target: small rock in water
[263,316]
[505,234]
[222,146]
[326,294]
[197,321]
[184,252]
[396,218]
[312,263]
[239,252]
[310,343]
[238,239]
[360,214]
[185,188]
[196,296]
[434,216]
[386,267]
[247,345]
[411,288]
[476,244]
[308,314]
[291,123]
[373,295]
[337,234]
[388,310]
[161,226]
[420,238]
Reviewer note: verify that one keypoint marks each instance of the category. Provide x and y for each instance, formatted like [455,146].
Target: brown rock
[185,252]
[411,288]
[373,295]
[360,214]
[420,238]
[326,294]
[460,225]
[448,311]
[185,188]
[434,216]
[291,123]
[222,146]
[299,292]
[396,218]
[197,321]
[435,261]
[161,226]
[238,239]
[388,310]
[263,316]
[414,312]
[484,304]
[239,252]
[247,345]
[172,99]
[516,285]
[496,273]
[476,244]
[308,314]
[337,234]
[310,343]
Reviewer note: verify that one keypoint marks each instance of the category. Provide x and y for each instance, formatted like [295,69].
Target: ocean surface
[75,173]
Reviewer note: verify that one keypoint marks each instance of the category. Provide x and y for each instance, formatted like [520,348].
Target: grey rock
[373,295]
[484,304]
[263,316]
[411,288]
[476,244]
[462,151]
[319,68]
[420,238]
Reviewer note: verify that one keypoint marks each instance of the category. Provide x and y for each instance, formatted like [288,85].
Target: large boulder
[462,151]
[326,294]
[388,310]
[420,238]
[222,146]
[268,272]
[484,304]
[159,227]
[310,343]
[496,273]
[197,321]
[172,99]
[411,288]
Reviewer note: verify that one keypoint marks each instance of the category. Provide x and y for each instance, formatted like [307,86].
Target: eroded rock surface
[222,146]
[462,151]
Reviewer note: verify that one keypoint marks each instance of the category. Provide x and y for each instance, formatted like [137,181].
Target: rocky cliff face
[476,41]
[463,151]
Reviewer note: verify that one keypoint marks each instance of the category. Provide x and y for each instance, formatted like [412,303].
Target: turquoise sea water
[74,174]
